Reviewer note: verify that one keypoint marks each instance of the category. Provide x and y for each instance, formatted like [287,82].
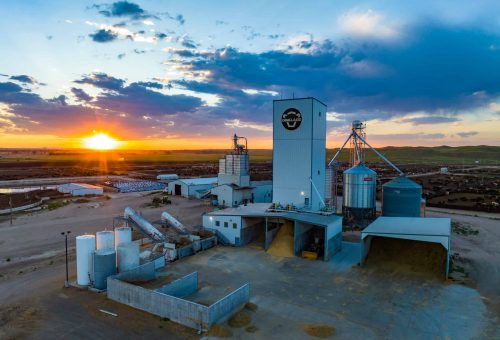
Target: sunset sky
[189,74]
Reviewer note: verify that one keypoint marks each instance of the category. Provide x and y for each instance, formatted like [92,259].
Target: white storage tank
[85,247]
[127,256]
[104,266]
[122,235]
[105,240]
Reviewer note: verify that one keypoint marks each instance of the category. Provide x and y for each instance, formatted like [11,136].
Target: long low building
[191,187]
[80,189]
[252,223]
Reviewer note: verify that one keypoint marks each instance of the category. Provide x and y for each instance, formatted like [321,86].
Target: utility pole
[65,234]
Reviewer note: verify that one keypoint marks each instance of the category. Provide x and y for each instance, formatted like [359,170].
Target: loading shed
[294,232]
[413,231]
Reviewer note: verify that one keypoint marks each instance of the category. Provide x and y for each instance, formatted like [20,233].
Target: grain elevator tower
[299,151]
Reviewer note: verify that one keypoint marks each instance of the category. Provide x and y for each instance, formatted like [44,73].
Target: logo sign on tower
[291,119]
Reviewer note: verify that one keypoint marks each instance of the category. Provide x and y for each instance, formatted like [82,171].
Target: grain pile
[282,244]
[407,256]
[319,331]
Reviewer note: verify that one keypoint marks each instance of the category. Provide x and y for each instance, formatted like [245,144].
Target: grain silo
[402,197]
[360,184]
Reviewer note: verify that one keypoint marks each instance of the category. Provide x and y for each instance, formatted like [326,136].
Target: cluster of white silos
[100,256]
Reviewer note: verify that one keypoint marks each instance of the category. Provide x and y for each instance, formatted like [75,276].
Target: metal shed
[434,230]
[191,187]
[80,189]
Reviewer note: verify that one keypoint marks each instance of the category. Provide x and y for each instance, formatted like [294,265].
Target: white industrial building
[191,187]
[299,153]
[298,186]
[80,189]
[167,177]
[233,180]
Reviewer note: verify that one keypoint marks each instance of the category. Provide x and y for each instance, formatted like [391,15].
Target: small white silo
[127,256]
[85,247]
[105,240]
[122,235]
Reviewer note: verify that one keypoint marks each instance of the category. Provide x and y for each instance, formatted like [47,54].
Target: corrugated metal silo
[360,184]
[104,266]
[402,197]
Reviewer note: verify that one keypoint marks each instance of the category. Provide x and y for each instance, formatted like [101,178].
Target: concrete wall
[165,305]
[262,191]
[228,305]
[270,234]
[182,287]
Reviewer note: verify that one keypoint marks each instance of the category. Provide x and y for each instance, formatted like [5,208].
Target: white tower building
[233,168]
[299,152]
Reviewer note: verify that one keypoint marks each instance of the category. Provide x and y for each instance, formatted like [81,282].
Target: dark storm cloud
[467,134]
[438,68]
[133,109]
[102,80]
[103,36]
[81,95]
[23,78]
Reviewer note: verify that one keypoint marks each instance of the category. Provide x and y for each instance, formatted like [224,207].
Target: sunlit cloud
[238,124]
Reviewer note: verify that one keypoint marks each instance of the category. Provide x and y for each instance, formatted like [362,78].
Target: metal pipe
[317,192]
[339,150]
[356,146]
[401,173]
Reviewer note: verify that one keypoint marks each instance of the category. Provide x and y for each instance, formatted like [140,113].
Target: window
[225,224]
[235,226]
[306,201]
[320,113]
[217,223]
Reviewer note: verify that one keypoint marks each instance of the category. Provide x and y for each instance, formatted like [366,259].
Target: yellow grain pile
[282,244]
[320,331]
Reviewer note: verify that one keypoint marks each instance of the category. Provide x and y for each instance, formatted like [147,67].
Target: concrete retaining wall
[228,305]
[166,302]
[182,287]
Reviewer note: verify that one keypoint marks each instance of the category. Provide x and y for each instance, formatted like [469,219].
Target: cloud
[81,95]
[101,80]
[430,120]
[237,124]
[407,136]
[180,19]
[368,25]
[375,81]
[121,55]
[123,9]
[23,78]
[467,134]
[103,36]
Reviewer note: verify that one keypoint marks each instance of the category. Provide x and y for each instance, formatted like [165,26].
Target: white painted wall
[299,154]
[231,233]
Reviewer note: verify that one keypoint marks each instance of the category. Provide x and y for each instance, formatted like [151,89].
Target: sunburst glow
[100,141]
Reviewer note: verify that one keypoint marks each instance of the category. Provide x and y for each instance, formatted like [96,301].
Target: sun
[100,141]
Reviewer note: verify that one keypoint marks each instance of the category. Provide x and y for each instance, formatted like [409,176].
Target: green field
[420,155]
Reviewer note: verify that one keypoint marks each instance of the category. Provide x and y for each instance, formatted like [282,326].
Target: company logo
[291,119]
[367,179]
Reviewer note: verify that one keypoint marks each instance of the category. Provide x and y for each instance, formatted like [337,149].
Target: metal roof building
[245,224]
[80,189]
[434,230]
[191,187]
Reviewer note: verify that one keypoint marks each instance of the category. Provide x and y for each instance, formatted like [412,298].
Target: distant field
[419,155]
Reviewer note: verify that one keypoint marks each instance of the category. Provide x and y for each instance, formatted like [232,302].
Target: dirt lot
[293,296]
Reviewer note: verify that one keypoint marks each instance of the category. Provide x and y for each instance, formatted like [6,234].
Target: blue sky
[188,74]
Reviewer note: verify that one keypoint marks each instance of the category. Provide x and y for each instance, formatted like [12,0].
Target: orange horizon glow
[100,142]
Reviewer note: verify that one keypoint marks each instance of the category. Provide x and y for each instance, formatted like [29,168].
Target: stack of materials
[282,244]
